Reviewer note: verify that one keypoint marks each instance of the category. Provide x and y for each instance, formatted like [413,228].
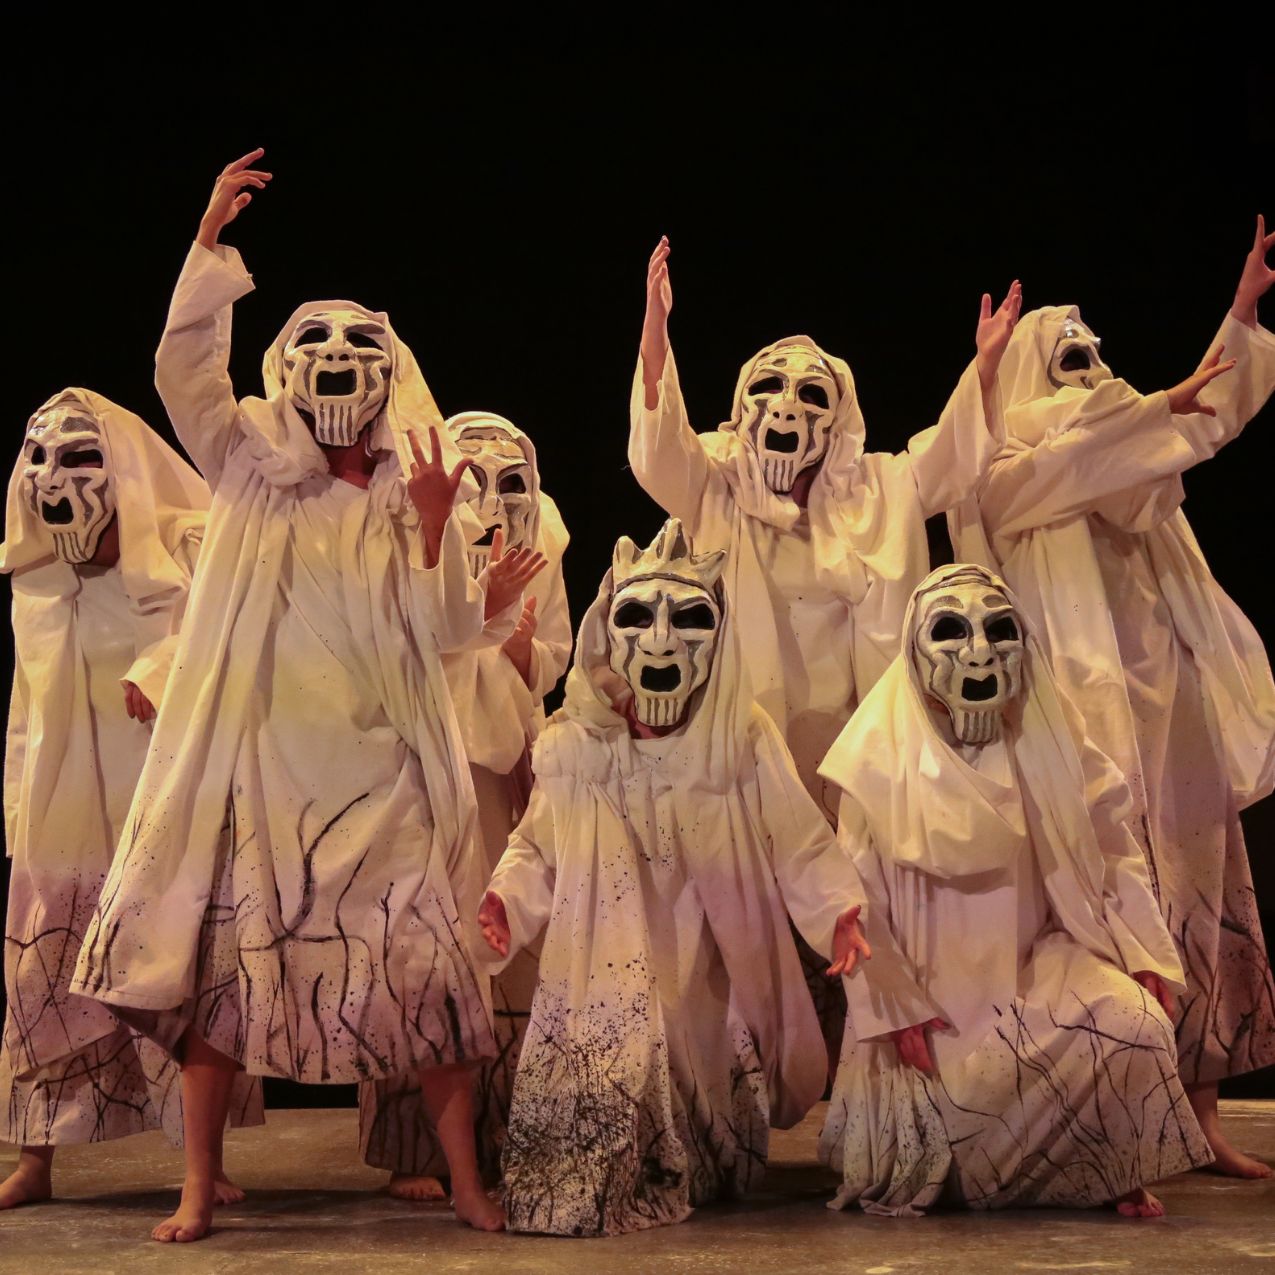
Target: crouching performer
[1013,1046]
[289,887]
[103,527]
[667,838]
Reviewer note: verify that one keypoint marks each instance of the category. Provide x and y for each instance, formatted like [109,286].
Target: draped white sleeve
[192,363]
[524,877]
[666,454]
[15,754]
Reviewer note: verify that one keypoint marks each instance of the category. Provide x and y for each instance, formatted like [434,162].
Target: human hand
[849,943]
[230,196]
[494,923]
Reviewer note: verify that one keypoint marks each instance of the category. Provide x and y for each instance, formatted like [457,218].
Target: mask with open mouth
[968,651]
[337,367]
[506,488]
[788,407]
[664,622]
[1076,360]
[69,484]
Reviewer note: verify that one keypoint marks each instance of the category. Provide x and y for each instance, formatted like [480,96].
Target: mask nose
[980,653]
[658,639]
[785,414]
[335,350]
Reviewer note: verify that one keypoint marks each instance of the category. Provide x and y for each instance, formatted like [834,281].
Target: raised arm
[667,456]
[191,365]
[950,458]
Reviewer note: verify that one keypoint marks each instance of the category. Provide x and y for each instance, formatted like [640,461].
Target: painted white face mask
[664,622]
[968,651]
[337,366]
[505,498]
[1076,360]
[69,487]
[787,411]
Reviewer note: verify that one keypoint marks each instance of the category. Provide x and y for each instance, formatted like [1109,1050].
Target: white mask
[337,366]
[787,410]
[664,622]
[1076,360]
[506,490]
[69,487]
[968,651]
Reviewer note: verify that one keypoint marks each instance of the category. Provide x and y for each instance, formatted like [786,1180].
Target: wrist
[1244,310]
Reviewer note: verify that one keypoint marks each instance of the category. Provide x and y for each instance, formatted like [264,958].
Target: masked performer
[1013,921]
[289,887]
[498,691]
[1084,512]
[104,524]
[667,833]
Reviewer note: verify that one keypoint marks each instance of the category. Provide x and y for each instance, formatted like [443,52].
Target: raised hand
[1154,984]
[659,301]
[517,646]
[507,574]
[849,943]
[994,331]
[1183,397]
[1256,277]
[494,923]
[136,705]
[914,1049]
[230,196]
[432,491]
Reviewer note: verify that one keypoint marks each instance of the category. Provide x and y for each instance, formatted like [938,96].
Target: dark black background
[502,210]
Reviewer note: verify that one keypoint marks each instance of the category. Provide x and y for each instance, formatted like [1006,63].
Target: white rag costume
[819,591]
[1007,897]
[1082,512]
[299,864]
[500,715]
[671,1026]
[68,1071]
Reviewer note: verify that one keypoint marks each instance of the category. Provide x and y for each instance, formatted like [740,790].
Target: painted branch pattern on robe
[1067,1106]
[357,993]
[608,1133]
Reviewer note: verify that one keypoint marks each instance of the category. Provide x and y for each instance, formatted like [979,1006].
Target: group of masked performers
[282,800]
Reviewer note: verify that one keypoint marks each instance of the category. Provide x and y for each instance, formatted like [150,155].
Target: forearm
[666,454]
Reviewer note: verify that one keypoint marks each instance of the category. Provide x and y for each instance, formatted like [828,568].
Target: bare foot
[479,1210]
[1232,1163]
[226,1192]
[193,1217]
[1139,1203]
[27,1184]
[410,1186]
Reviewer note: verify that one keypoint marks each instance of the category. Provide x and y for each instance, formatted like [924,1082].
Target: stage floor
[313,1208]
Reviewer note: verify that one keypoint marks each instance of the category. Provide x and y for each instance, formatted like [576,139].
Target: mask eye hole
[767,385]
[948,628]
[511,485]
[82,458]
[1002,629]
[362,341]
[1075,360]
[37,455]
[697,616]
[815,395]
[311,336]
[633,615]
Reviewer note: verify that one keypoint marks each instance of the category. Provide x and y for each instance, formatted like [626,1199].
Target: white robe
[69,1071]
[299,869]
[1008,898]
[671,1026]
[1083,514]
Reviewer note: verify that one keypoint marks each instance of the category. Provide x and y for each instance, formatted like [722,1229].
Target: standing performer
[289,889]
[498,691]
[667,837]
[103,527]
[1012,918]
[1083,509]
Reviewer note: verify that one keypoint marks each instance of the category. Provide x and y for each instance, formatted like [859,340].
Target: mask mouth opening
[1075,361]
[335,384]
[665,679]
[58,515]
[976,689]
[784,444]
[488,536]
